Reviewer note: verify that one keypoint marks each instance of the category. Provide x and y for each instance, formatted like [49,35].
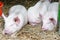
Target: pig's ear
[52,20]
[17,20]
[4,16]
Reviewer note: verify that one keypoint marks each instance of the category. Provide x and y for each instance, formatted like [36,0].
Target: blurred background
[26,3]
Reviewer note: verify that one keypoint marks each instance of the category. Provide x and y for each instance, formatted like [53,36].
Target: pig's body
[50,18]
[16,20]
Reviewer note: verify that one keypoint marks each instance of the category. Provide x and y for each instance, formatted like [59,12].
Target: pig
[33,14]
[36,12]
[16,20]
[50,18]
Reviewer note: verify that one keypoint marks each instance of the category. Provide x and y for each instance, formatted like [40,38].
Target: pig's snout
[43,28]
[35,22]
[7,32]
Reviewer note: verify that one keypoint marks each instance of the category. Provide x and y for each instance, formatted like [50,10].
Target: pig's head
[33,15]
[48,24]
[11,24]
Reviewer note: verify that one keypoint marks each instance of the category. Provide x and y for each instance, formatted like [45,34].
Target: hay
[32,33]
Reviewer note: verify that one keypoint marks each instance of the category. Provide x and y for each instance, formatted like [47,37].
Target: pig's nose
[6,33]
[33,24]
[44,29]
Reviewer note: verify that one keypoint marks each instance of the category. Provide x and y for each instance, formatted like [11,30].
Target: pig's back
[53,6]
[17,9]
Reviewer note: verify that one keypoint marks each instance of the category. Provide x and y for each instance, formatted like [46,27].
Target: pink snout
[34,23]
[43,28]
[7,32]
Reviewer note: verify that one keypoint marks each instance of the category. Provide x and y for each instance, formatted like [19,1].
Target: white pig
[36,12]
[50,18]
[33,14]
[16,20]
